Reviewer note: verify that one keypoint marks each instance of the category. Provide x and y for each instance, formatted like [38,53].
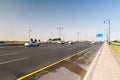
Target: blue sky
[44,16]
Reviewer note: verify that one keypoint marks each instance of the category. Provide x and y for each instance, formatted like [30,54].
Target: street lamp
[106,34]
[60,29]
[108,20]
[85,37]
[51,35]
[78,33]
[29,34]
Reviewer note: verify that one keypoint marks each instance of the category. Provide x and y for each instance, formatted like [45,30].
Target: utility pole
[29,35]
[106,34]
[109,28]
[86,36]
[51,35]
[60,30]
[63,36]
[78,34]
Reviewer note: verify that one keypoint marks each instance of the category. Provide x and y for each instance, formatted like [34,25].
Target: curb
[89,73]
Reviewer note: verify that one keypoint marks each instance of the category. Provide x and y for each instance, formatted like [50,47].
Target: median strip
[46,67]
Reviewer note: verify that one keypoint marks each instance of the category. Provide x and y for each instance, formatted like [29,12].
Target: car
[60,42]
[92,42]
[31,44]
[71,42]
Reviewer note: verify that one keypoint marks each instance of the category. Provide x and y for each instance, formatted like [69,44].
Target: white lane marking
[56,47]
[2,47]
[8,54]
[70,48]
[4,51]
[14,60]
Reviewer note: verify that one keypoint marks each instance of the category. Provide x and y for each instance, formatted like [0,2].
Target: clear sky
[44,16]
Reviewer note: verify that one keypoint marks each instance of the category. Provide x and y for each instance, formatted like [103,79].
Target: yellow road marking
[46,67]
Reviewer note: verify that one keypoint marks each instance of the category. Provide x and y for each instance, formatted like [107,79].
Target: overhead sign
[99,35]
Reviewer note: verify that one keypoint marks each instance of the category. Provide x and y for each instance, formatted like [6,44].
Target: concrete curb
[89,73]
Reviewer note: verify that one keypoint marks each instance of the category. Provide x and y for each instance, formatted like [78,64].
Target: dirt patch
[74,58]
[73,67]
[86,57]
[89,63]
[81,61]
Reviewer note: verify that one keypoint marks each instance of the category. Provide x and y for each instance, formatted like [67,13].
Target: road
[74,68]
[16,61]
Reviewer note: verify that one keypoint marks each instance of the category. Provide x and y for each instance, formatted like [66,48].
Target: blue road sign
[99,35]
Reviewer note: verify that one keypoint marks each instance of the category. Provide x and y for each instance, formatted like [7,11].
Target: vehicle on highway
[60,42]
[92,42]
[71,42]
[31,44]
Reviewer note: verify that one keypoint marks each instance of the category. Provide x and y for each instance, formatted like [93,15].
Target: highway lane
[28,52]
[22,60]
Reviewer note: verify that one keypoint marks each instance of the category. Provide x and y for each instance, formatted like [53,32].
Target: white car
[92,42]
[60,42]
[71,42]
[31,44]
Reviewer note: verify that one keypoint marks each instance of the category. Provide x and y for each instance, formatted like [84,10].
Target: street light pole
[106,34]
[29,34]
[109,32]
[78,33]
[51,35]
[109,29]
[60,29]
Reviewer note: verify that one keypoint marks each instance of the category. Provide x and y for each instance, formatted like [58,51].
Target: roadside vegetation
[116,49]
[19,42]
[55,39]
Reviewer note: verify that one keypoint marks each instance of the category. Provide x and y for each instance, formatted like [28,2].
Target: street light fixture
[108,20]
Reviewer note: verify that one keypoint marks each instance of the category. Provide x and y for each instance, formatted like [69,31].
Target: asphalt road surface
[16,61]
